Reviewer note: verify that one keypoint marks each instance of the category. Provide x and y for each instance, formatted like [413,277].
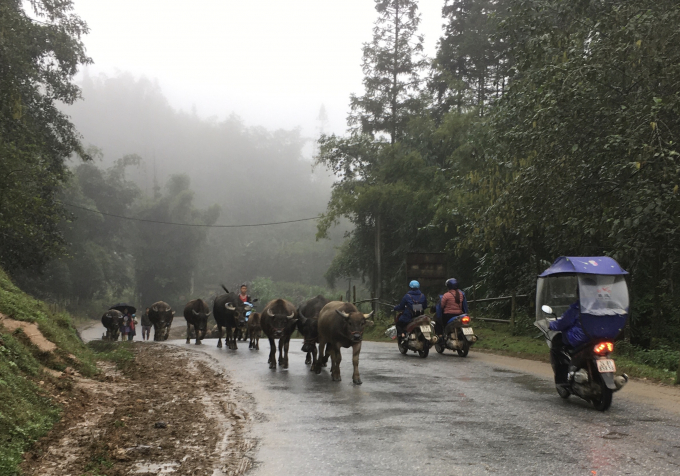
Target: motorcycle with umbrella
[591,291]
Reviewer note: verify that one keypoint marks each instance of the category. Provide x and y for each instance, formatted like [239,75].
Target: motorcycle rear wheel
[402,348]
[423,353]
[464,351]
[605,401]
[439,347]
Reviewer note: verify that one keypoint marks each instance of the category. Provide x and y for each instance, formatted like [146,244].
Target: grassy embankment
[659,365]
[29,377]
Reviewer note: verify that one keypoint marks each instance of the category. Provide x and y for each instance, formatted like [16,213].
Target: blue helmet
[414,284]
[452,283]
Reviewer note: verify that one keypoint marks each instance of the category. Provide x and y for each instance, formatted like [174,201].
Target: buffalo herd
[324,325]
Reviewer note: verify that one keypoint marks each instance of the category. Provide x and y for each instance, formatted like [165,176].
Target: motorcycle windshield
[604,305]
[558,292]
[603,295]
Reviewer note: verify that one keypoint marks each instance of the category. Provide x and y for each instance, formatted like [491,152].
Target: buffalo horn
[154,308]
[195,313]
[270,313]
[291,316]
[209,312]
[301,316]
[342,313]
[367,316]
[230,306]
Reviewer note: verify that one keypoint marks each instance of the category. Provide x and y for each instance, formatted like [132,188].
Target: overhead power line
[187,224]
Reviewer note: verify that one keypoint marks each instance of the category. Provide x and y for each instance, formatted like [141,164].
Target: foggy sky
[271,62]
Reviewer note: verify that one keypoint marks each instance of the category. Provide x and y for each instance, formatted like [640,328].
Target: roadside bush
[662,358]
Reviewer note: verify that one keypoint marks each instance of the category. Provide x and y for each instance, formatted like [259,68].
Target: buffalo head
[353,324]
[201,323]
[279,320]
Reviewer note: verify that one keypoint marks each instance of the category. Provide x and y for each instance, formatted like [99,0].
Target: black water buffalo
[278,321]
[254,330]
[228,309]
[196,313]
[112,320]
[241,330]
[308,313]
[160,315]
[341,325]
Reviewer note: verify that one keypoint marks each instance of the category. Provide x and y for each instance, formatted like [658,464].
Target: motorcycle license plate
[425,329]
[606,365]
[467,331]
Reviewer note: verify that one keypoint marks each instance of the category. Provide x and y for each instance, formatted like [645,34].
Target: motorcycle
[599,287]
[458,336]
[420,336]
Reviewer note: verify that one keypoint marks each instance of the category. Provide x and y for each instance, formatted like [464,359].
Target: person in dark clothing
[146,325]
[412,305]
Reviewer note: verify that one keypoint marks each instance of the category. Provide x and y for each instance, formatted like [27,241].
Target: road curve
[441,415]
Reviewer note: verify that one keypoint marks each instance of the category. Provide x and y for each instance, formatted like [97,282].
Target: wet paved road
[441,415]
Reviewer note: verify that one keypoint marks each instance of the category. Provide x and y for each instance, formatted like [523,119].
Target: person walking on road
[146,325]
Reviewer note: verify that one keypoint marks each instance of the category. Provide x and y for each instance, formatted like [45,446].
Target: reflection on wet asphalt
[440,415]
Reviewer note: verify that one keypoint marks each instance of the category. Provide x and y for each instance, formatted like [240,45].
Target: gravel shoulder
[169,411]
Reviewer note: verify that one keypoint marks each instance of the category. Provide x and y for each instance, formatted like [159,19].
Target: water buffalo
[112,320]
[196,313]
[254,330]
[340,325]
[241,331]
[278,321]
[160,315]
[228,309]
[308,313]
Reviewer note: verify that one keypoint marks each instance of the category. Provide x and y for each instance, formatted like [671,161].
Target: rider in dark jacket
[412,304]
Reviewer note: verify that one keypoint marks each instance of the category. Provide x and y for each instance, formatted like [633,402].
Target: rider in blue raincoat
[412,304]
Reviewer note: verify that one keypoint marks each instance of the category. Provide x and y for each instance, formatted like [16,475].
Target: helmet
[452,283]
[414,284]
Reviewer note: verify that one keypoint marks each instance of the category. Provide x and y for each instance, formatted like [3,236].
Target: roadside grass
[27,410]
[118,352]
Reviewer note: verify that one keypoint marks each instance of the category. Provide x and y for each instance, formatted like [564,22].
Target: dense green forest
[540,128]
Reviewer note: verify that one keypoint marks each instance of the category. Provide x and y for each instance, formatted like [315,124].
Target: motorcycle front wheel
[402,348]
[464,351]
[439,346]
[423,353]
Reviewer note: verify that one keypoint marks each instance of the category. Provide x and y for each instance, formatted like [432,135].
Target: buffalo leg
[314,359]
[336,358]
[234,346]
[196,331]
[316,366]
[285,353]
[324,354]
[188,333]
[356,348]
[219,336]
[308,358]
[281,351]
[257,341]
[272,353]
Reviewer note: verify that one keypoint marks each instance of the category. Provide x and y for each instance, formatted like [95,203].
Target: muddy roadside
[166,410]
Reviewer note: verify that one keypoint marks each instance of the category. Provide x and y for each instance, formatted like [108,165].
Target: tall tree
[472,62]
[366,160]
[392,64]
[39,57]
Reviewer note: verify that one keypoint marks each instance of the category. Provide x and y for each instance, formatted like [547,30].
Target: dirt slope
[168,412]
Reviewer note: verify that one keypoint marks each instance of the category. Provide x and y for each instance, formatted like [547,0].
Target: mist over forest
[160,164]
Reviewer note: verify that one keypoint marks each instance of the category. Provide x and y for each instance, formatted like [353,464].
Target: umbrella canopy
[584,265]
[121,306]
